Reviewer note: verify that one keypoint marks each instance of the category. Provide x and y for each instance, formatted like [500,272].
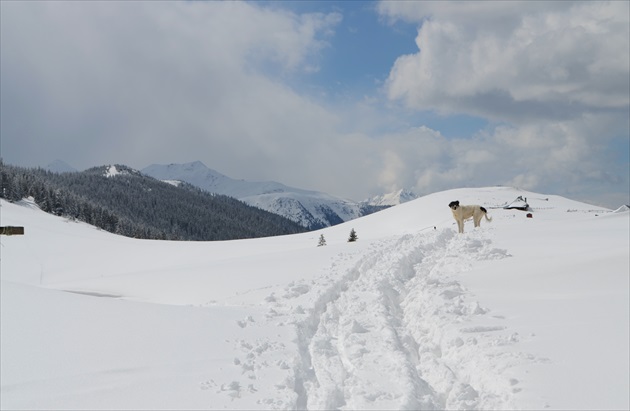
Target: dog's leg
[460,225]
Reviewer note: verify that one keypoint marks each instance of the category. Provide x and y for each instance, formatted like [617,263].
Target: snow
[175,183]
[521,313]
[623,209]
[393,198]
[112,171]
[305,208]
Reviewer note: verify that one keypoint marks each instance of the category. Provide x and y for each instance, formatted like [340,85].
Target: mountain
[122,200]
[60,166]
[198,174]
[520,313]
[311,209]
[395,198]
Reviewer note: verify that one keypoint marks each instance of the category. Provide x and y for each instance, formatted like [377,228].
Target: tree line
[135,205]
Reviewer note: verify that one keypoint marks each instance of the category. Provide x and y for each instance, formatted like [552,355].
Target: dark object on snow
[519,204]
[11,230]
[529,215]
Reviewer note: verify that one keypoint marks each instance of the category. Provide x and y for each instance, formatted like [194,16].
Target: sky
[351,98]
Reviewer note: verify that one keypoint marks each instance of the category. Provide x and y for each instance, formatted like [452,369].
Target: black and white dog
[463,212]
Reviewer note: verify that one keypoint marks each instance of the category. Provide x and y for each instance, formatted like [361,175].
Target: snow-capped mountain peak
[117,169]
[198,174]
[394,198]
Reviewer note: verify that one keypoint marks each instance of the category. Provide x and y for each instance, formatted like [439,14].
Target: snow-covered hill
[311,209]
[521,313]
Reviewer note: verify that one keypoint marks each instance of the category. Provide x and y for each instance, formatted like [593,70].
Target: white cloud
[158,82]
[557,158]
[143,82]
[532,60]
[554,76]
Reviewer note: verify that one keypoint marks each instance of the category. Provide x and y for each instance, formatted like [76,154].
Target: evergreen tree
[353,236]
[322,241]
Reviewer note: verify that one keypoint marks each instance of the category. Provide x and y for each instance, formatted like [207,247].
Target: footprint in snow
[482,328]
[245,322]
[296,290]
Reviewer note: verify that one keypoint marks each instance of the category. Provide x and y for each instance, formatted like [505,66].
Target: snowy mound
[623,209]
[519,313]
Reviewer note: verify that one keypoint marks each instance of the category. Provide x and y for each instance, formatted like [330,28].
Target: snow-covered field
[522,313]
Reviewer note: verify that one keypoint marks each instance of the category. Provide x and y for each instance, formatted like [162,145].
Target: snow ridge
[392,330]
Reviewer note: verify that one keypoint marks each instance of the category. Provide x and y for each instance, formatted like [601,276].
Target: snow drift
[521,313]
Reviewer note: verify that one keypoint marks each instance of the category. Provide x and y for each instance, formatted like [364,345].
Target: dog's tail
[485,213]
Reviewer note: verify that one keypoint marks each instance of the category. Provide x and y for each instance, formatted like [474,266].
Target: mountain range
[311,209]
[121,200]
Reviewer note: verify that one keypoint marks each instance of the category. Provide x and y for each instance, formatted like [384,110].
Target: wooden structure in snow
[11,230]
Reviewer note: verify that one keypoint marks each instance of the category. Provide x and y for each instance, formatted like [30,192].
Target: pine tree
[353,236]
[322,241]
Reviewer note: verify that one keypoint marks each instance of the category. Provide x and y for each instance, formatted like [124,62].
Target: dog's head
[454,205]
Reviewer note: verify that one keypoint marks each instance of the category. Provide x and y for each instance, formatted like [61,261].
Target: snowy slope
[522,313]
[311,209]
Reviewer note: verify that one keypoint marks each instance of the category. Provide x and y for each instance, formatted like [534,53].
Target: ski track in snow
[391,329]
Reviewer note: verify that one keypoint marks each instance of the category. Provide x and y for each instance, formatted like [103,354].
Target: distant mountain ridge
[122,200]
[311,209]
[60,166]
[198,174]
[392,199]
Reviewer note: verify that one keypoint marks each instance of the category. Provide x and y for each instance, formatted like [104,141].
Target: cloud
[159,82]
[553,78]
[537,60]
[559,158]
[143,82]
